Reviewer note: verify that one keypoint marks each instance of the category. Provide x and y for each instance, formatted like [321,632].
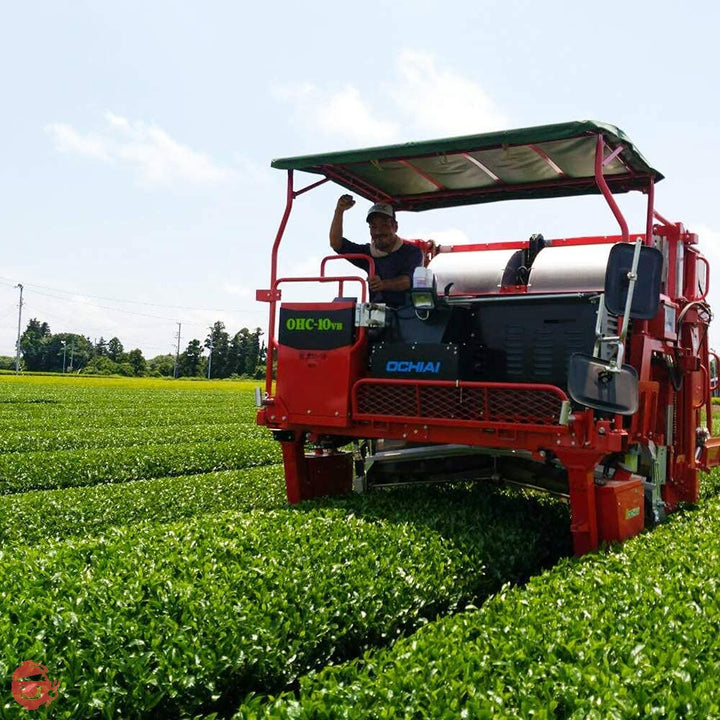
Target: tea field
[148,559]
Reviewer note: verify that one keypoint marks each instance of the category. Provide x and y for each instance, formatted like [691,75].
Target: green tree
[238,352]
[218,343]
[137,362]
[115,350]
[80,351]
[125,369]
[101,349]
[246,352]
[101,365]
[75,350]
[254,352]
[190,361]
[161,366]
[34,345]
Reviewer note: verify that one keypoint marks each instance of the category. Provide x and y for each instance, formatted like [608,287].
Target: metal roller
[473,272]
[572,268]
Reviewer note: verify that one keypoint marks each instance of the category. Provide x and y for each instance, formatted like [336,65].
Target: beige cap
[381,209]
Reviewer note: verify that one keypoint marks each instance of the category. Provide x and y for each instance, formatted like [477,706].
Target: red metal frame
[488,400]
[580,445]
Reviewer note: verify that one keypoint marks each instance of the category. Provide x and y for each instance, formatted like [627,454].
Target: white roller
[471,272]
[565,268]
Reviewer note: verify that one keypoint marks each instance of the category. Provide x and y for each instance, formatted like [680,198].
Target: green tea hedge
[20,472]
[180,616]
[47,439]
[27,518]
[192,616]
[631,633]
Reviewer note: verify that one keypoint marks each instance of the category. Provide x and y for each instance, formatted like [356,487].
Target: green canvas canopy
[535,162]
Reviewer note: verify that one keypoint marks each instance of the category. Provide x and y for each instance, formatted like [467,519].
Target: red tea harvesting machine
[579,365]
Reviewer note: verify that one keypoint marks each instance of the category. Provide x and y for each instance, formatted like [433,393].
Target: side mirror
[597,384]
[646,294]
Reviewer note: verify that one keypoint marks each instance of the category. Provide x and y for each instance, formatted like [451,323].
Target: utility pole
[177,351]
[17,343]
[210,346]
[64,344]
[72,351]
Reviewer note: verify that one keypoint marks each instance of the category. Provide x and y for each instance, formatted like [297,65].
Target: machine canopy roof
[536,162]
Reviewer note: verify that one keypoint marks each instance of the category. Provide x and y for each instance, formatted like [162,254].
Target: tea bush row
[144,413]
[190,617]
[33,517]
[38,439]
[21,472]
[631,633]
[184,615]
[29,403]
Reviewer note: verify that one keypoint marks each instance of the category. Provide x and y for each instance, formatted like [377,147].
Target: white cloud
[158,159]
[117,120]
[420,99]
[438,100]
[347,114]
[69,141]
[344,114]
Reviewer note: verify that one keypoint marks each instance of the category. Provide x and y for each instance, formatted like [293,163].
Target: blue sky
[137,137]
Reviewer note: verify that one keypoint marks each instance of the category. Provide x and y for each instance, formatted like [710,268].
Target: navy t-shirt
[401,262]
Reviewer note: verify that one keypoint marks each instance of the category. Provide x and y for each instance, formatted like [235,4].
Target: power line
[68,311]
[119,300]
[55,316]
[104,307]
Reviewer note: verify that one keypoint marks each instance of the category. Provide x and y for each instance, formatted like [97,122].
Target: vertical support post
[605,190]
[583,507]
[583,513]
[270,355]
[296,472]
[650,212]
[17,342]
[177,351]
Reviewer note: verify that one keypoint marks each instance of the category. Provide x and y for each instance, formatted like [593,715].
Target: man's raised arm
[345,202]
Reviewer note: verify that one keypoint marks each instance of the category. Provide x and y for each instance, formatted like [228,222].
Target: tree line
[218,356]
